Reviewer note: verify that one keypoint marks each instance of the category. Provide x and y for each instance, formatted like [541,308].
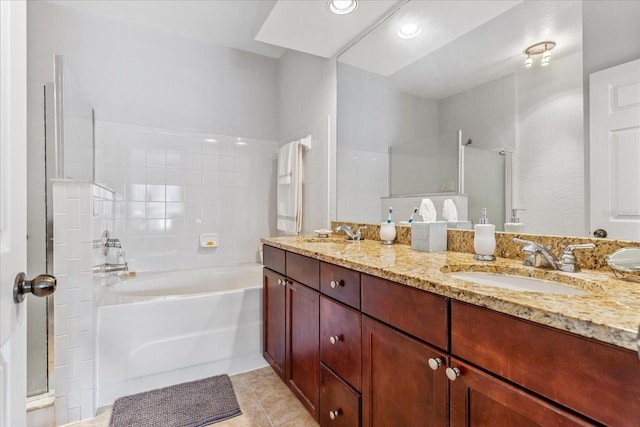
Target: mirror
[465,71]
[625,263]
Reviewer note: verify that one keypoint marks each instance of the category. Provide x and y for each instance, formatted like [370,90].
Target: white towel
[289,193]
[286,157]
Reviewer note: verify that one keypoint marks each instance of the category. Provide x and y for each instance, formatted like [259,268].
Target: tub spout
[110,268]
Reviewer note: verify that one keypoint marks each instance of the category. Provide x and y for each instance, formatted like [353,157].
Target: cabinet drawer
[304,270]
[273,258]
[595,379]
[416,312]
[341,284]
[339,404]
[340,340]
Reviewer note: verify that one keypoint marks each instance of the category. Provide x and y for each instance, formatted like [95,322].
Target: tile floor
[264,400]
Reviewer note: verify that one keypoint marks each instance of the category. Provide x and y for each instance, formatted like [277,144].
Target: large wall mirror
[402,101]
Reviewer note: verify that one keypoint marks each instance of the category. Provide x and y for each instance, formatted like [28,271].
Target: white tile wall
[175,186]
[82,211]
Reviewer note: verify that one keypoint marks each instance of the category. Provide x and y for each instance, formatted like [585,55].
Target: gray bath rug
[192,404]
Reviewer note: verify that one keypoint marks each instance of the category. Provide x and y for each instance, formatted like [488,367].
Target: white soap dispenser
[514,226]
[484,239]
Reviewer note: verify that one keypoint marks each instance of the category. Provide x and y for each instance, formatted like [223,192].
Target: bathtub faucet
[110,268]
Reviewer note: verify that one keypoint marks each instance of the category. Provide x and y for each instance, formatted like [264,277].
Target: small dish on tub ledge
[324,233]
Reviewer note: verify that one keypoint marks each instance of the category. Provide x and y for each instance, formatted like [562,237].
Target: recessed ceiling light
[409,31]
[210,140]
[342,7]
[240,141]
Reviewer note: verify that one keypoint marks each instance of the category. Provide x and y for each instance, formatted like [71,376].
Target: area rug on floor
[193,404]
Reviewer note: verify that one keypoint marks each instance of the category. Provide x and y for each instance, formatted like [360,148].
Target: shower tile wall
[176,185]
[82,211]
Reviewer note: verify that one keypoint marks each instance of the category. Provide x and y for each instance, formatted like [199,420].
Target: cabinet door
[398,386]
[481,400]
[274,315]
[303,344]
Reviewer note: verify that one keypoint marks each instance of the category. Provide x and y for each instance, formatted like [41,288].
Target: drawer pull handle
[334,339]
[334,284]
[334,414]
[452,373]
[435,363]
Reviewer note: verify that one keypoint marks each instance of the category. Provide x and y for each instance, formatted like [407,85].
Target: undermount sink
[516,283]
[307,239]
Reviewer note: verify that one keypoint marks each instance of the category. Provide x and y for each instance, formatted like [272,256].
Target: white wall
[379,116]
[306,106]
[146,77]
[548,161]
[486,114]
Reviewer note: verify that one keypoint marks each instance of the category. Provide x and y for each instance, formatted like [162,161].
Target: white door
[13,208]
[615,151]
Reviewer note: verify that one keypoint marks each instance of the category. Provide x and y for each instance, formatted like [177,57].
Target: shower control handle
[42,286]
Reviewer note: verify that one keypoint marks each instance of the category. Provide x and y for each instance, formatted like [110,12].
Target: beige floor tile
[303,421]
[280,405]
[264,400]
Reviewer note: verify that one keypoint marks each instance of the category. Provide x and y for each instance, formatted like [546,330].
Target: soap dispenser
[484,239]
[514,226]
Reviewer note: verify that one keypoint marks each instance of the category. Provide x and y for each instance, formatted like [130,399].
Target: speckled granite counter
[608,312]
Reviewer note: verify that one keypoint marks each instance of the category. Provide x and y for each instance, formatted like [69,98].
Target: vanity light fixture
[342,7]
[409,31]
[529,61]
[543,48]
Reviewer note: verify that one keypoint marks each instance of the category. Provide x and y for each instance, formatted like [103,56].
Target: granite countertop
[608,312]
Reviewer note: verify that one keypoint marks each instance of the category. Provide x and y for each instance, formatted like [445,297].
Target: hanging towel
[286,157]
[289,191]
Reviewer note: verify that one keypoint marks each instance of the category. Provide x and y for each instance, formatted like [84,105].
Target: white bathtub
[161,329]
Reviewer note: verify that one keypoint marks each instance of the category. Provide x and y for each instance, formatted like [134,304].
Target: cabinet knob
[435,363]
[334,284]
[334,414]
[280,281]
[452,373]
[334,339]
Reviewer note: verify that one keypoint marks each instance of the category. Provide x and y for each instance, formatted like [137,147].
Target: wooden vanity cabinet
[339,403]
[303,353]
[479,399]
[274,296]
[597,380]
[398,386]
[291,313]
[340,340]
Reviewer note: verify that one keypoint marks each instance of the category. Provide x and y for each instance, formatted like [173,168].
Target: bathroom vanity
[374,335]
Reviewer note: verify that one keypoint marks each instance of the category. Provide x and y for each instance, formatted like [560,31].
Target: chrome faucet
[537,255]
[351,235]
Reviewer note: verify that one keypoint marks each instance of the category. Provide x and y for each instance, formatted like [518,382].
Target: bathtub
[161,329]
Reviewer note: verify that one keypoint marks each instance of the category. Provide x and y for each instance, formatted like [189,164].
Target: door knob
[600,233]
[42,286]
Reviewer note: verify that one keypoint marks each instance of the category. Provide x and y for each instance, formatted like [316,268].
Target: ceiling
[451,30]
[265,27]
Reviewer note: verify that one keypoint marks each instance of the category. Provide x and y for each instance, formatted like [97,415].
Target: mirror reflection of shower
[429,168]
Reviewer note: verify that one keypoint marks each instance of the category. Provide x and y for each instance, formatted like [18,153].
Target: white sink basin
[516,283]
